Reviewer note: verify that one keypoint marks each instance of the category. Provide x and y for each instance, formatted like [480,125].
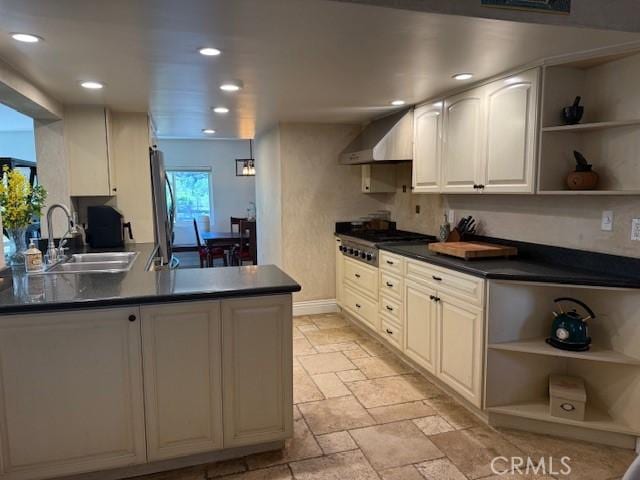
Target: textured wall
[53,169]
[317,192]
[269,197]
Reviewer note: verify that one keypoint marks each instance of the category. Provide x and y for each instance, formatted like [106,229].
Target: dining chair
[208,254]
[244,252]
[235,222]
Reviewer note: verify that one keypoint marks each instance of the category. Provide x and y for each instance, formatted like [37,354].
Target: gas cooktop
[383,236]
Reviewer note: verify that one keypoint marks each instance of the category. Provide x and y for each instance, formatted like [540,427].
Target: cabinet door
[339,272]
[460,356]
[462,157]
[256,369]
[182,378]
[420,325]
[71,393]
[510,135]
[86,135]
[426,148]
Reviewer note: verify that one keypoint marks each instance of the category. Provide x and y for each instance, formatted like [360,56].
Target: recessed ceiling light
[463,76]
[25,37]
[231,86]
[209,52]
[397,103]
[208,131]
[221,110]
[92,85]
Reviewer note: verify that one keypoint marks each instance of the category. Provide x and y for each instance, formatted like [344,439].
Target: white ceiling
[299,60]
[12,121]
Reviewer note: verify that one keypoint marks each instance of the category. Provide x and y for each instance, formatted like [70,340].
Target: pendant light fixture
[246,167]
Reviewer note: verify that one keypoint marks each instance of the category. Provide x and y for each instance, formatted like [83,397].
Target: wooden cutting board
[469,250]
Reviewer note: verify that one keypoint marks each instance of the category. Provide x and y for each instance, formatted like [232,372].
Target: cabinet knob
[357,275]
[358,305]
[437,279]
[389,262]
[389,308]
[389,284]
[389,332]
[132,318]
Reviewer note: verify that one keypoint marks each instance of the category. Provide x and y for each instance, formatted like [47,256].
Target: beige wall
[53,170]
[269,197]
[315,193]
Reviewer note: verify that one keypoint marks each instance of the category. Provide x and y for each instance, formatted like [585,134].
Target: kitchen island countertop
[44,293]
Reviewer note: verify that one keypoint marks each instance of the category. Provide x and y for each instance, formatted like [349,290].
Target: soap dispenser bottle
[33,258]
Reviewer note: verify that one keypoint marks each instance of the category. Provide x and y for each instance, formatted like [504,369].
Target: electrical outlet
[607,221]
[451,216]
[417,208]
[635,229]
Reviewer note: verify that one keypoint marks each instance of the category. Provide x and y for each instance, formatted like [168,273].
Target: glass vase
[18,238]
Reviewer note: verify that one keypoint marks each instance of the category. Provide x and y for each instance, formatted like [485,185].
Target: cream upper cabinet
[257,353]
[461,344]
[87,138]
[72,398]
[420,325]
[462,150]
[181,352]
[427,148]
[510,134]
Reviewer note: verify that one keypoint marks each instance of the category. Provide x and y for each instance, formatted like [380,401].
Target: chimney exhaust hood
[387,139]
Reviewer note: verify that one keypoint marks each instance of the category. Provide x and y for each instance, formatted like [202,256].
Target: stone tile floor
[360,413]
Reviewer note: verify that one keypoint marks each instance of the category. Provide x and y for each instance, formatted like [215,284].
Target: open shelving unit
[519,361]
[609,134]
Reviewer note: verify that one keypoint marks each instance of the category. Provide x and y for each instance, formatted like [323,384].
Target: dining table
[226,239]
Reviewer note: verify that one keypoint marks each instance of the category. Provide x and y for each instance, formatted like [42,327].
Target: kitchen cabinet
[421,325]
[256,370]
[510,134]
[182,383]
[462,156]
[378,178]
[72,397]
[427,148]
[87,138]
[460,347]
[339,273]
[483,140]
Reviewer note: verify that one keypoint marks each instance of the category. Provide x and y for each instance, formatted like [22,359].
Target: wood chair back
[235,222]
[195,228]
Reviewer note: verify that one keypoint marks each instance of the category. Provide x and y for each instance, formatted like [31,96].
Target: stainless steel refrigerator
[164,210]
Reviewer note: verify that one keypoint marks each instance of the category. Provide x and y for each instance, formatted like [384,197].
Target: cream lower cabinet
[71,393]
[183,378]
[339,273]
[421,316]
[460,346]
[256,370]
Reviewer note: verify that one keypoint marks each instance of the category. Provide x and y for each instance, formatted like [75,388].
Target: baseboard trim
[315,307]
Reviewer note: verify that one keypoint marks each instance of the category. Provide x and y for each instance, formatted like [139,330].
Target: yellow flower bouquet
[20,204]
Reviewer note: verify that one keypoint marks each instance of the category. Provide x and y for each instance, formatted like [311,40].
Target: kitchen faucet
[52,251]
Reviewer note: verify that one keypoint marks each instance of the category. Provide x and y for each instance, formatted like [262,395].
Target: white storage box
[568,397]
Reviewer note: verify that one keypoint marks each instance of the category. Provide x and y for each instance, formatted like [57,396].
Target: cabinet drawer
[392,333]
[445,280]
[391,308]
[391,285]
[361,276]
[360,306]
[391,263]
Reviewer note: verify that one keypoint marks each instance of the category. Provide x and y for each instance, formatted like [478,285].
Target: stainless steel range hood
[388,139]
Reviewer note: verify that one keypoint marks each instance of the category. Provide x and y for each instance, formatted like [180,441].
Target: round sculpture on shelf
[583,178]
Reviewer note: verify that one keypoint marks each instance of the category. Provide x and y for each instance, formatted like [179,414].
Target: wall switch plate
[635,229]
[607,221]
[451,216]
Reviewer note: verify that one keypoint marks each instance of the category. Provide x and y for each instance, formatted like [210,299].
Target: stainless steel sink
[107,262]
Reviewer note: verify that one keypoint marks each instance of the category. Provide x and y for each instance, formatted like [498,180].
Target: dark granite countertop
[39,293]
[535,263]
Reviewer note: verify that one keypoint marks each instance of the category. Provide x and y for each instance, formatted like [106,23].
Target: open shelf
[539,410]
[538,346]
[586,127]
